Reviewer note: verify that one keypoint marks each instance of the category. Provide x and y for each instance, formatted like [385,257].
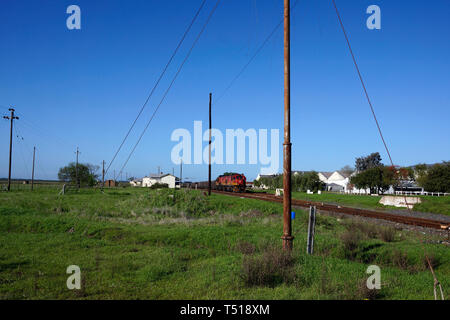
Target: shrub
[159,186]
[370,230]
[365,293]
[273,267]
[400,259]
[434,261]
[245,247]
[350,240]
[387,234]
[181,202]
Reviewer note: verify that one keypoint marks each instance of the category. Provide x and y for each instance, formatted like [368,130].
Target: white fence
[399,193]
[422,193]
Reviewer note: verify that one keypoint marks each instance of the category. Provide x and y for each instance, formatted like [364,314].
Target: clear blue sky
[84,87]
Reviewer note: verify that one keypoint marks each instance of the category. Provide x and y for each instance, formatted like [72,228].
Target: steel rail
[415,221]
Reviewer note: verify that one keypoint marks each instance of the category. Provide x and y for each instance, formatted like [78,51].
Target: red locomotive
[231,182]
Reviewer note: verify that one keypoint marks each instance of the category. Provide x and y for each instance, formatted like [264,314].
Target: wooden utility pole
[287,228]
[32,171]
[12,117]
[181,173]
[210,128]
[103,174]
[76,170]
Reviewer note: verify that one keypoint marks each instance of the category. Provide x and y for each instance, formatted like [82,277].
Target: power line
[362,81]
[29,149]
[46,134]
[173,80]
[269,36]
[21,151]
[436,281]
[157,83]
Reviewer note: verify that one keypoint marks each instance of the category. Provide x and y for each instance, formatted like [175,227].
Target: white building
[263,186]
[166,178]
[335,181]
[136,182]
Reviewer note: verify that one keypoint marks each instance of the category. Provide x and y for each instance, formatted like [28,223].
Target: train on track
[233,182]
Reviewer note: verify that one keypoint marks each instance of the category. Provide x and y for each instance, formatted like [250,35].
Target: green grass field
[165,244]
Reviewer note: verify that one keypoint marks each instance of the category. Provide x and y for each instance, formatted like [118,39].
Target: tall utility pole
[287,229]
[209,166]
[12,117]
[181,173]
[32,171]
[76,170]
[103,174]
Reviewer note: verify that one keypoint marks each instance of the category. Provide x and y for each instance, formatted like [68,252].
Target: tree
[301,181]
[371,161]
[347,170]
[436,178]
[420,174]
[377,179]
[307,181]
[87,173]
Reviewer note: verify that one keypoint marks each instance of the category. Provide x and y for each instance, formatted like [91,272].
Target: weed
[273,267]
[364,293]
[387,234]
[245,247]
[400,259]
[351,241]
[369,230]
[434,261]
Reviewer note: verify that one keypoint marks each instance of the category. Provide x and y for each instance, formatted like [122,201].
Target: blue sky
[84,87]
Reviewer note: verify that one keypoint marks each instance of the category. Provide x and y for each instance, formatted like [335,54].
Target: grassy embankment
[149,244]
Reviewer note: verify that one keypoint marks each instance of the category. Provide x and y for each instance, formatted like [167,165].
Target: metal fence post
[311,227]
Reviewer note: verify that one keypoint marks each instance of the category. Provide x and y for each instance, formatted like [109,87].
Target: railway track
[421,222]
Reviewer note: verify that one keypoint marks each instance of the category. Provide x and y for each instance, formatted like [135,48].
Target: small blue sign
[292,215]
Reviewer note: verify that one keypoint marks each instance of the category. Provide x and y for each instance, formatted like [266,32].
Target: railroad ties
[415,221]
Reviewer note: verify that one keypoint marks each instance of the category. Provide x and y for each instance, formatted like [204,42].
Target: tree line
[300,181]
[378,178]
[370,173]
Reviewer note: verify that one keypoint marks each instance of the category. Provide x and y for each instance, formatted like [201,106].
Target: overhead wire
[29,149]
[171,83]
[157,82]
[436,281]
[20,139]
[263,44]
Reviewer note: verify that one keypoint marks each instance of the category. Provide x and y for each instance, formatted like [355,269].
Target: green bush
[273,267]
[159,186]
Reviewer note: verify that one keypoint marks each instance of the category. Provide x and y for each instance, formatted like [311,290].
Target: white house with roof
[165,178]
[335,181]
